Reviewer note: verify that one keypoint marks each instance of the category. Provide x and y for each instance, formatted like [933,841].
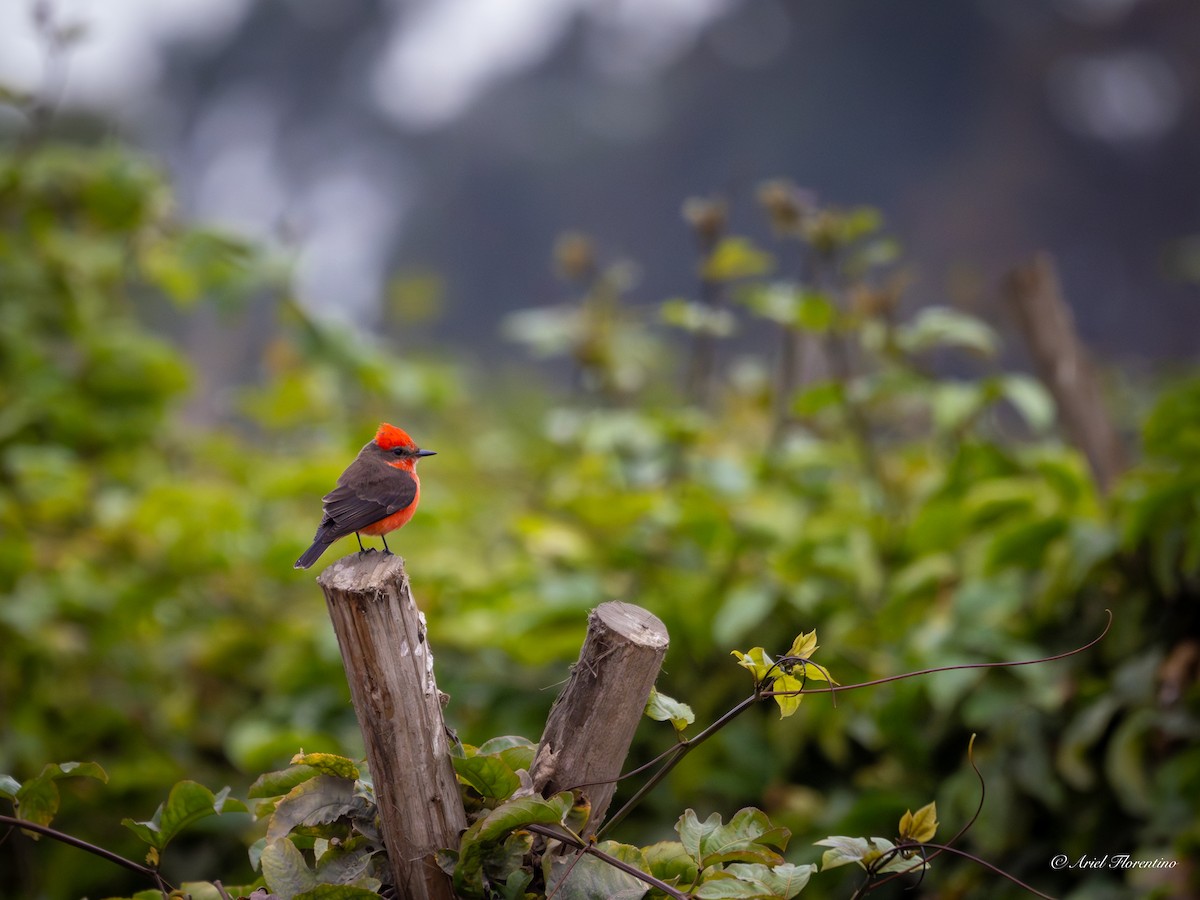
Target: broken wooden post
[1044,319]
[592,722]
[382,637]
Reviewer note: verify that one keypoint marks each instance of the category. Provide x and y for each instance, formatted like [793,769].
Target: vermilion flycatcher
[376,494]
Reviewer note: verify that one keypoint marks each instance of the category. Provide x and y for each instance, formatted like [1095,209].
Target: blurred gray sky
[463,134]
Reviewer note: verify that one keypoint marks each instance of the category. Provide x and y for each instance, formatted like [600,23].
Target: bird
[376,494]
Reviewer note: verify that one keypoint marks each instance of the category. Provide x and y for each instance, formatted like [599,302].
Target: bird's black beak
[426,453]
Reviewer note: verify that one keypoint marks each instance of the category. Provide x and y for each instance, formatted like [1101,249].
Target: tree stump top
[633,623]
[370,571]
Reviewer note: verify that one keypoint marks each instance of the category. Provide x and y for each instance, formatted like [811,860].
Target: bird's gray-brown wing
[369,490]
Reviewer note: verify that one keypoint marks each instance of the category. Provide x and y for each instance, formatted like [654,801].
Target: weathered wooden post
[382,637]
[592,722]
[1044,319]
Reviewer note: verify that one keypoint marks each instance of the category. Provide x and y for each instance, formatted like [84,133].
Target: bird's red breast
[401,516]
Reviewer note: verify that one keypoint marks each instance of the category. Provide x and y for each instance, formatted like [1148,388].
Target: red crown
[389,437]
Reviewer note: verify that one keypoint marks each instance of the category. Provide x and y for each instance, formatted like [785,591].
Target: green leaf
[514,886]
[670,861]
[590,877]
[318,801]
[1172,429]
[37,799]
[508,742]
[790,306]
[866,852]
[1025,544]
[818,397]
[511,815]
[491,768]
[692,832]
[720,885]
[188,802]
[748,837]
[78,770]
[518,757]
[939,326]
[924,576]
[843,850]
[735,258]
[698,318]
[254,852]
[506,858]
[513,750]
[284,869]
[1029,398]
[275,784]
[547,332]
[337,892]
[1080,736]
[662,708]
[815,312]
[755,880]
[328,764]
[784,881]
[206,890]
[524,811]
[743,611]
[776,302]
[346,862]
[489,775]
[955,404]
[901,862]
[1127,761]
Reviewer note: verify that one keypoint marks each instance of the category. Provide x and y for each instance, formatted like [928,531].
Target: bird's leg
[386,548]
[361,548]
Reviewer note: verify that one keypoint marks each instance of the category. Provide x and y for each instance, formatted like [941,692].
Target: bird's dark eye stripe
[399,451]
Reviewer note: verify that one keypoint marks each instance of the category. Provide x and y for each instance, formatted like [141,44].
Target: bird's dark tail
[312,554]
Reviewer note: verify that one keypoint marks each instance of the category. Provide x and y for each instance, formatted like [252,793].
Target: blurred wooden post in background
[592,722]
[1034,295]
[382,637]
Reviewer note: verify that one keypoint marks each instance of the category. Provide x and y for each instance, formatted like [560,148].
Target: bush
[875,474]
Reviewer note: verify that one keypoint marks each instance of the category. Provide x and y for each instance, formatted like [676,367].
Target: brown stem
[81,844]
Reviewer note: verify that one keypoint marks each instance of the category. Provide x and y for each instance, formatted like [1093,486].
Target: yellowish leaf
[813,672]
[921,825]
[757,660]
[804,645]
[788,703]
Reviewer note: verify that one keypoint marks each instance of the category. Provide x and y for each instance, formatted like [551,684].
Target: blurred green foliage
[815,469]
